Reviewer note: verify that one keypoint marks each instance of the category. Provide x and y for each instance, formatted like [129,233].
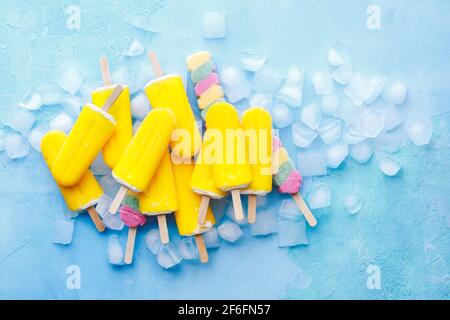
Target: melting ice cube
[371,122]
[61,122]
[361,152]
[329,103]
[140,106]
[63,231]
[16,146]
[32,100]
[378,84]
[232,76]
[337,55]
[114,250]
[330,130]
[295,77]
[352,135]
[420,131]
[311,116]
[353,203]
[187,249]
[311,163]
[359,89]
[323,84]
[291,95]
[229,231]
[168,256]
[135,49]
[35,137]
[153,241]
[252,61]
[20,120]
[343,74]
[388,165]
[113,221]
[395,92]
[302,135]
[319,196]
[392,116]
[71,80]
[266,80]
[281,116]
[291,232]
[335,154]
[265,224]
[213,25]
[211,238]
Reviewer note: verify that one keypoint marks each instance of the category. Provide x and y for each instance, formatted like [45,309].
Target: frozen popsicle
[89,134]
[86,193]
[288,179]
[257,123]
[121,112]
[141,158]
[230,168]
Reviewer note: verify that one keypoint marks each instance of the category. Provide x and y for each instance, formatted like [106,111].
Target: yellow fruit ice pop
[86,193]
[257,124]
[89,134]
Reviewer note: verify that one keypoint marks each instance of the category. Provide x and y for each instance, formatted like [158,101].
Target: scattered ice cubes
[330,130]
[266,80]
[291,95]
[395,92]
[32,100]
[337,55]
[35,137]
[420,131]
[361,152]
[252,61]
[319,196]
[281,116]
[302,135]
[388,165]
[51,94]
[265,224]
[99,167]
[232,76]
[63,231]
[237,93]
[323,84]
[140,106]
[378,85]
[62,122]
[229,231]
[292,232]
[20,120]
[311,163]
[71,105]
[211,238]
[213,25]
[16,146]
[261,100]
[153,241]
[187,249]
[103,205]
[109,185]
[335,154]
[371,122]
[359,89]
[135,49]
[114,250]
[393,118]
[329,103]
[343,74]
[352,203]
[311,116]
[289,209]
[168,256]
[71,80]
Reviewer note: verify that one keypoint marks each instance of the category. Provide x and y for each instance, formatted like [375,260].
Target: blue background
[401,216]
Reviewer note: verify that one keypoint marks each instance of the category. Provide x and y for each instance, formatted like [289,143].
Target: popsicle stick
[112,98]
[203,253]
[155,64]
[115,204]
[304,209]
[251,214]
[130,245]
[204,204]
[163,232]
[96,219]
[237,204]
[104,69]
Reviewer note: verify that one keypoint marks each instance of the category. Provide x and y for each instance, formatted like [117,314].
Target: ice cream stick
[115,204]
[237,204]
[112,98]
[163,232]
[251,214]
[155,64]
[96,219]
[204,204]
[304,209]
[104,68]
[130,245]
[203,253]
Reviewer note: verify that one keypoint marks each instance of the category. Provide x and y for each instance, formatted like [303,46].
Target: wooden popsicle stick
[104,69]
[115,204]
[130,245]
[96,219]
[112,98]
[155,64]
[204,204]
[203,253]
[237,204]
[163,232]
[251,214]
[304,209]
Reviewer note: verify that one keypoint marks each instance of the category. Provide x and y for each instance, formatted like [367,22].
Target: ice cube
[252,61]
[392,141]
[237,93]
[336,153]
[153,241]
[123,76]
[213,25]
[343,74]
[371,122]
[329,103]
[20,120]
[187,249]
[291,232]
[63,231]
[32,100]
[265,224]
[219,207]
[302,135]
[359,89]
[319,196]
[378,84]
[261,100]
[35,137]
[87,88]
[352,203]
[393,118]
[289,209]
[16,146]
[109,185]
[323,84]
[114,250]
[281,116]
[135,49]
[330,130]
[295,77]
[348,112]
[211,238]
[136,126]
[311,163]
[140,106]
[291,95]
[361,152]
[230,214]
[51,94]
[395,92]
[388,165]
[71,80]
[266,80]
[113,221]
[337,55]
[71,105]
[420,131]
[103,205]
[99,167]
[61,122]
[168,256]
[229,231]
[352,135]
[232,76]
[311,116]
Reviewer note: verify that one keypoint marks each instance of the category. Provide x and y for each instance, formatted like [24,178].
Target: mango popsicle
[89,134]
[257,123]
[230,167]
[86,193]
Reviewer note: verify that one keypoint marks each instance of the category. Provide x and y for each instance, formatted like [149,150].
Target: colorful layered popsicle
[92,130]
[86,193]
[288,179]
[257,123]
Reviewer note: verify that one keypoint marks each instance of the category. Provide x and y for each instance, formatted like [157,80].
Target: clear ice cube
[237,93]
[19,119]
[252,61]
[292,232]
[329,103]
[168,256]
[352,203]
[153,241]
[211,238]
[302,135]
[290,210]
[103,205]
[63,231]
[114,250]
[323,84]
[395,92]
[229,231]
[311,163]
[420,131]
[35,137]
[265,224]
[62,122]
[261,100]
[337,55]
[281,116]
[311,116]
[71,80]
[51,94]
[371,122]
[330,130]
[378,84]
[135,49]
[359,89]
[232,76]
[361,152]
[266,80]
[335,154]
[140,106]
[213,25]
[16,146]
[319,196]
[291,95]
[71,105]
[343,74]
[187,249]
[32,100]
[388,165]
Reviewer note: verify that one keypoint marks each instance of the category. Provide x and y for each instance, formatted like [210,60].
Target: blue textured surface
[400,218]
